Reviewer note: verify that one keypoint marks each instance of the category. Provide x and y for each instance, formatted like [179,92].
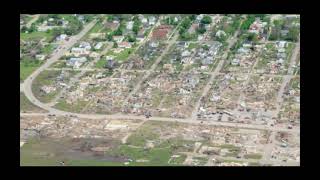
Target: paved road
[188,121]
[56,56]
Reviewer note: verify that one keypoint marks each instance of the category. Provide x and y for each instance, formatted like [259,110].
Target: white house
[144,20]
[61,37]
[98,45]
[79,51]
[118,39]
[235,62]
[152,20]
[185,53]
[154,44]
[282,44]
[110,57]
[85,45]
[40,57]
[130,25]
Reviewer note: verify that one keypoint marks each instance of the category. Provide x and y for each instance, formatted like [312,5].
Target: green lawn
[77,107]
[48,49]
[36,36]
[95,29]
[101,63]
[27,67]
[193,45]
[229,161]
[42,153]
[34,153]
[253,156]
[123,55]
[155,156]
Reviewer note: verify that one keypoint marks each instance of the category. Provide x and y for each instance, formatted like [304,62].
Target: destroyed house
[161,32]
[76,62]
[191,81]
[113,26]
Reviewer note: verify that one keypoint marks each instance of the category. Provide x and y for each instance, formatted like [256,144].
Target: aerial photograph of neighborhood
[159,90]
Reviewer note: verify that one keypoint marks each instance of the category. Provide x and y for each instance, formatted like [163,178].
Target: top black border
[160,6]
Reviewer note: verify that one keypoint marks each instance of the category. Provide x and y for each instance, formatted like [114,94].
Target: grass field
[50,152]
[26,68]
[253,156]
[154,156]
[36,36]
[77,107]
[193,46]
[123,55]
[101,63]
[48,49]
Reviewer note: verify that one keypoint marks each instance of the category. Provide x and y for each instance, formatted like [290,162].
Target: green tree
[118,32]
[192,17]
[136,26]
[42,18]
[293,34]
[33,28]
[201,30]
[247,23]
[110,18]
[131,39]
[88,17]
[24,29]
[206,19]
[186,23]
[57,31]
[205,47]
[253,37]
[115,45]
[109,36]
